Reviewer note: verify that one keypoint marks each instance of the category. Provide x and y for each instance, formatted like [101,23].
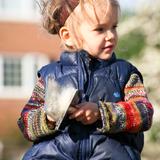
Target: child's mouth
[108,48]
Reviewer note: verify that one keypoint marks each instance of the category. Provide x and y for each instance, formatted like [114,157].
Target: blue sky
[129,4]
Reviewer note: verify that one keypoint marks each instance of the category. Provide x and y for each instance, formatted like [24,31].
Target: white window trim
[25,12]
[28,77]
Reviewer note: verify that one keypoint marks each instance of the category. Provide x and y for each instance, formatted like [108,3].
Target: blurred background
[25,46]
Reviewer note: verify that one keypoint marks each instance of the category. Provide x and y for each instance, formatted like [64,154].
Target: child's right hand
[87,113]
[50,119]
[71,110]
[50,122]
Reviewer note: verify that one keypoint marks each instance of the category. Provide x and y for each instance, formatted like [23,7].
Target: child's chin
[106,56]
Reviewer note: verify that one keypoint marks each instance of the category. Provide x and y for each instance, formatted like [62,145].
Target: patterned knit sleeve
[134,114]
[33,122]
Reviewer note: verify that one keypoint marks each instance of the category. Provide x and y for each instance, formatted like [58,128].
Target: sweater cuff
[105,117]
[40,127]
[47,126]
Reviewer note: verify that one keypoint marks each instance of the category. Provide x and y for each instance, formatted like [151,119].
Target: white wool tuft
[58,99]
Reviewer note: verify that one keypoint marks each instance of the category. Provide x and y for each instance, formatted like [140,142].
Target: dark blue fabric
[96,80]
[89,147]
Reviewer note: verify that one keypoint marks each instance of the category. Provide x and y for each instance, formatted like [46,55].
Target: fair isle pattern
[132,115]
[146,114]
[105,117]
[109,112]
[37,98]
[134,88]
[33,121]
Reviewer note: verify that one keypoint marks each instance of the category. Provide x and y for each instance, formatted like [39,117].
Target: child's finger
[50,119]
[72,110]
[76,114]
[80,118]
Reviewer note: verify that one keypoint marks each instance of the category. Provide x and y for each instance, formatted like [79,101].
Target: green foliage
[157,45]
[14,145]
[125,15]
[131,44]
[155,133]
[15,138]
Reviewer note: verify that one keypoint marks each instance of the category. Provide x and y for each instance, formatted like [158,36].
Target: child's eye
[100,29]
[115,27]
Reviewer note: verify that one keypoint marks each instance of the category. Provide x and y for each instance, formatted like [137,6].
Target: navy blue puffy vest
[97,80]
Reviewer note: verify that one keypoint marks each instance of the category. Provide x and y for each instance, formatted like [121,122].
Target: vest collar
[73,58]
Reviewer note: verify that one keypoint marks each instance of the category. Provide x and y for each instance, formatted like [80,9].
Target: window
[18,74]
[12,69]
[19,9]
[10,5]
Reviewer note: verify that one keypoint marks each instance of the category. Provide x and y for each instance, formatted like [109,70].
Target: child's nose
[109,35]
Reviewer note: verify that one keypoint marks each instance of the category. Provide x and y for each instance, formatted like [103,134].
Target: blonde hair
[52,12]
[55,13]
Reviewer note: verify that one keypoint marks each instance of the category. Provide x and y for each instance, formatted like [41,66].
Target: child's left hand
[86,113]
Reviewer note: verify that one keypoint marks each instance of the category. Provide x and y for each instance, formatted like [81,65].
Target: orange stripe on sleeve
[133,118]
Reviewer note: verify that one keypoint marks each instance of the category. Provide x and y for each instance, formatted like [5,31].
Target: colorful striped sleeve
[33,122]
[134,114]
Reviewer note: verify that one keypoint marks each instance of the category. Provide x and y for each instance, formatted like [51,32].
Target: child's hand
[86,113]
[50,122]
[50,119]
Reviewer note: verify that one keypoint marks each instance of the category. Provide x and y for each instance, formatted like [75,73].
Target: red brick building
[24,47]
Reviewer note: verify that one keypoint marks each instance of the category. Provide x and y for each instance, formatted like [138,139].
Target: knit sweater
[132,115]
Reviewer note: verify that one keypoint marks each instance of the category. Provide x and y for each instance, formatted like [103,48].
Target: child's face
[97,29]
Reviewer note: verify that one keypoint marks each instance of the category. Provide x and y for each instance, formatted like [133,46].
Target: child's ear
[65,35]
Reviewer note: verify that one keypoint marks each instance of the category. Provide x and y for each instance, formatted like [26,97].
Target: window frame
[12,66]
[28,76]
[25,10]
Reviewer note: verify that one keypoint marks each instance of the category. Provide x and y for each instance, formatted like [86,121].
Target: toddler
[113,110]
